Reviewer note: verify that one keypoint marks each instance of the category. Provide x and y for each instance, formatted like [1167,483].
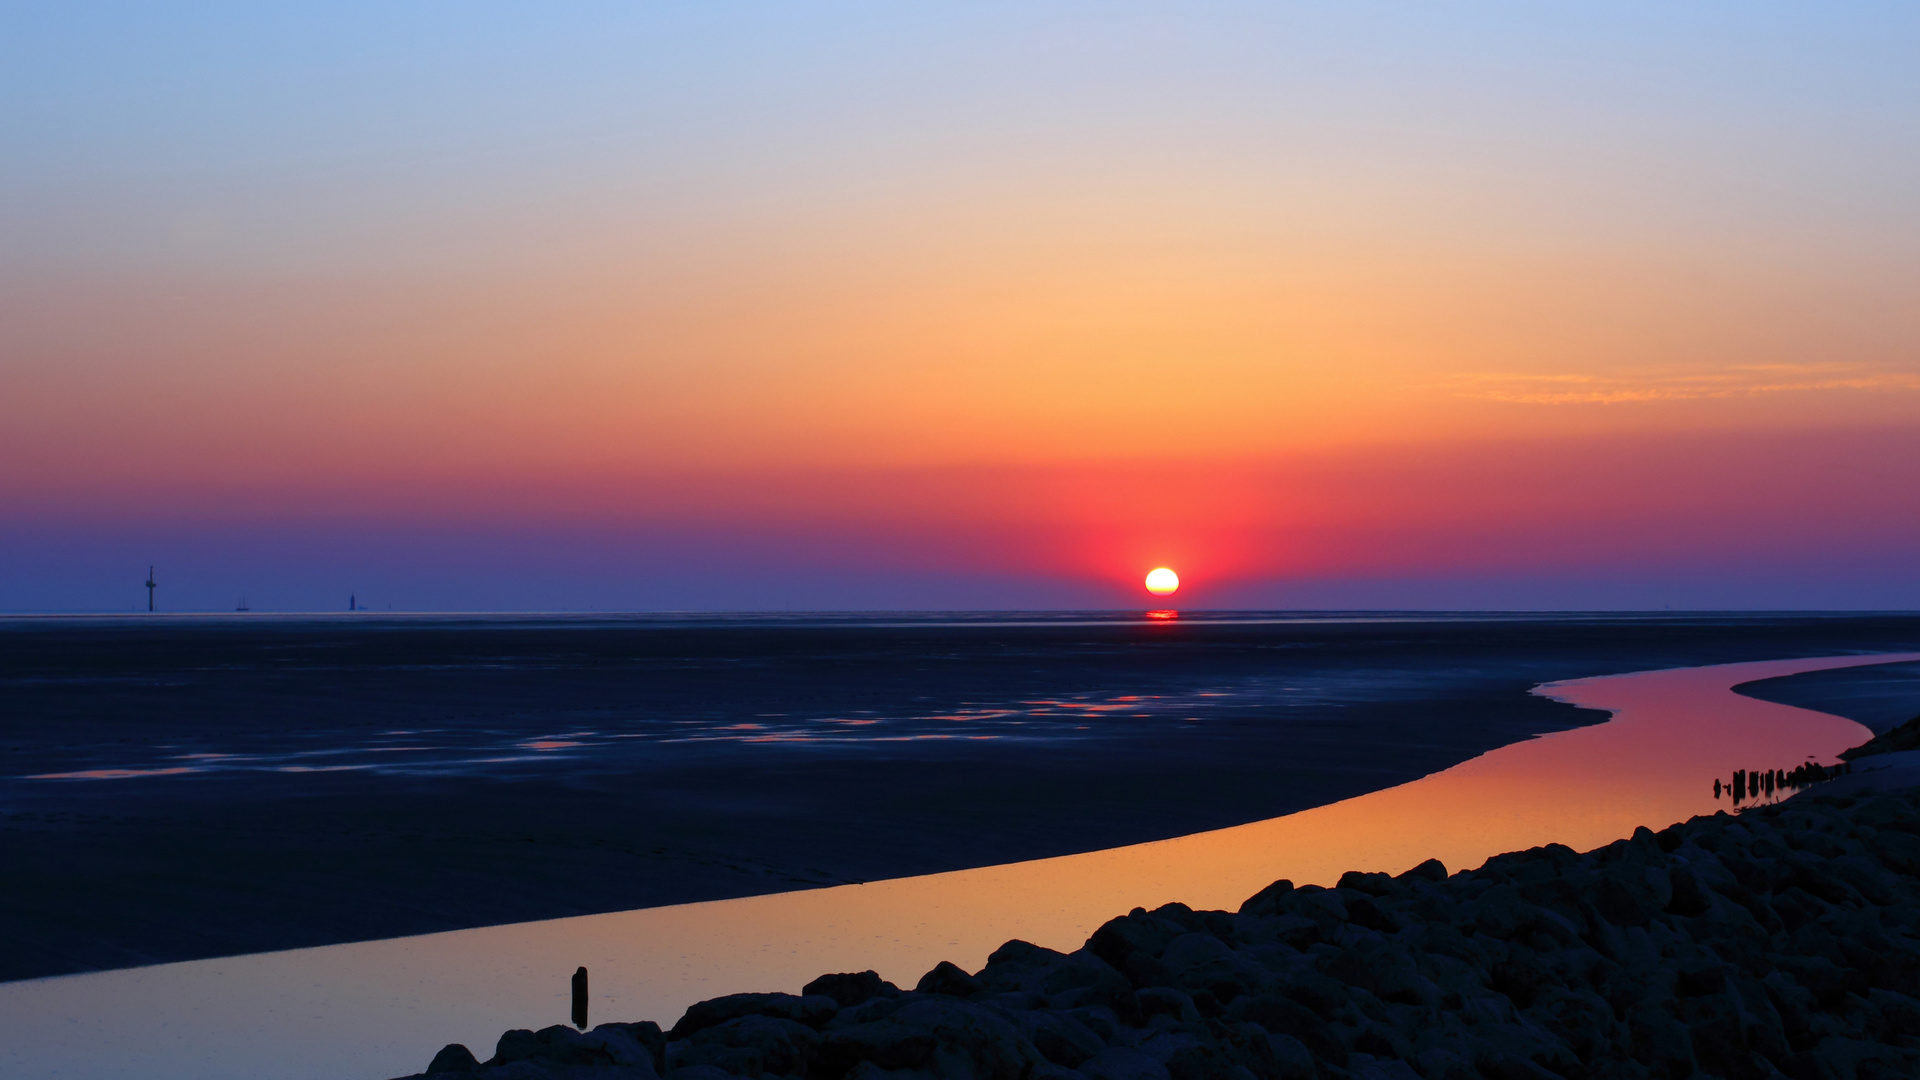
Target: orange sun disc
[1162,582]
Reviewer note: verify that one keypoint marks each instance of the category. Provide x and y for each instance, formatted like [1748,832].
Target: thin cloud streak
[1731,382]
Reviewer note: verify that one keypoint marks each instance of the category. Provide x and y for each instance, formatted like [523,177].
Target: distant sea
[182,787]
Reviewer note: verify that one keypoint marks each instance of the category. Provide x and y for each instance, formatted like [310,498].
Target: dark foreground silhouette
[1898,740]
[1778,942]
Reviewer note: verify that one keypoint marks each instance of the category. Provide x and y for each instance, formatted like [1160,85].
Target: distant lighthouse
[150,586]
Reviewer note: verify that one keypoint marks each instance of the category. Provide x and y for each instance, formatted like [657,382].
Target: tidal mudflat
[376,1008]
[184,788]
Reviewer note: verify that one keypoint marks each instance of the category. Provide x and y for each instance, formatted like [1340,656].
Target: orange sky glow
[1062,305]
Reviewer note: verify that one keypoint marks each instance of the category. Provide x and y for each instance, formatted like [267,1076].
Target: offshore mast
[150,586]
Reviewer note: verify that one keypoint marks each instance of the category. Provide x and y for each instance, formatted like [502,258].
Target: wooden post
[580,999]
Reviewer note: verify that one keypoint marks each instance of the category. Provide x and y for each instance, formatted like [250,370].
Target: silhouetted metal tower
[149,588]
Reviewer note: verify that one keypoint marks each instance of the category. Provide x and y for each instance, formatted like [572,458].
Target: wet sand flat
[182,788]
[379,1008]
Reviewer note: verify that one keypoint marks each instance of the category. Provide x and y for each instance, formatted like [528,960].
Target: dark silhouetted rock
[1268,900]
[1689,898]
[1371,884]
[971,1040]
[453,1058]
[1904,737]
[749,1045]
[885,1044]
[813,1011]
[608,1046]
[850,989]
[1061,1039]
[1432,870]
[947,978]
[647,1034]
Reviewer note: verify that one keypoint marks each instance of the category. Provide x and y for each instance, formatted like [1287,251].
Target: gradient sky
[735,306]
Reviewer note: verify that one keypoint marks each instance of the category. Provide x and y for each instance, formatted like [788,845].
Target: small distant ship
[243,605]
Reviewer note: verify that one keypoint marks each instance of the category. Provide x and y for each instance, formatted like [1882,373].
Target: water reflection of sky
[497,748]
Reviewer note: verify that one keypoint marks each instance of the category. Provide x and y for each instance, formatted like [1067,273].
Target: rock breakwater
[1784,941]
[1897,740]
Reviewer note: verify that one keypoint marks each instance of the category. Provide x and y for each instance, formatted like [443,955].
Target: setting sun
[1162,582]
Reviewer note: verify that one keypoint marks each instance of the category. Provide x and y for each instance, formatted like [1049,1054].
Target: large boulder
[812,1010]
[1204,962]
[1065,980]
[949,979]
[1060,1037]
[1132,945]
[849,989]
[884,1044]
[452,1059]
[970,1042]
[751,1045]
[606,1046]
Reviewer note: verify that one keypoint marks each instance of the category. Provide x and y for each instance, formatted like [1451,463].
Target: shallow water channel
[382,1008]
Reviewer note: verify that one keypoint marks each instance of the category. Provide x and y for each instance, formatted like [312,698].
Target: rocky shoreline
[1784,940]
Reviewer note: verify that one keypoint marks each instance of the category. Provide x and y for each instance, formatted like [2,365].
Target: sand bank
[377,1008]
